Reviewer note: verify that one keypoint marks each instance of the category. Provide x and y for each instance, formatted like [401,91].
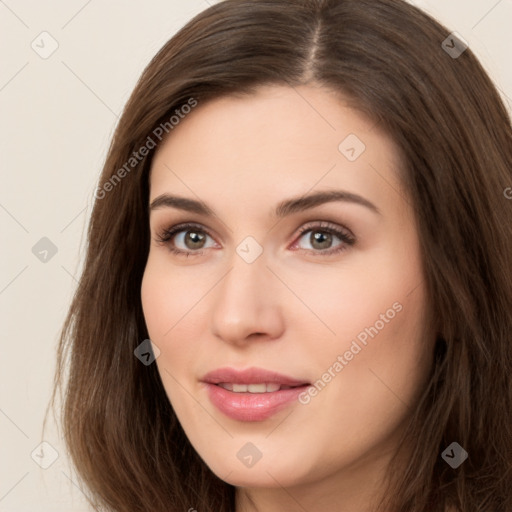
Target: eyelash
[324,227]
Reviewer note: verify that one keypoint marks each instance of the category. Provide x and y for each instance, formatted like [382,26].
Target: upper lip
[250,376]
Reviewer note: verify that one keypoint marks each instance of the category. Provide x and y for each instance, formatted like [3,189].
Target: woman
[304,208]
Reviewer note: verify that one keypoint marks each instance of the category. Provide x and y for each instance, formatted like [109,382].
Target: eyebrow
[283,209]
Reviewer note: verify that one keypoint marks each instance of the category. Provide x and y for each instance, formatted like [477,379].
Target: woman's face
[303,267]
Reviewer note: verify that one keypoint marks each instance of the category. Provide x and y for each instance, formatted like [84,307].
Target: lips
[254,394]
[251,376]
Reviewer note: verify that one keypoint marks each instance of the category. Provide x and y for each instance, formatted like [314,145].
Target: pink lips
[247,406]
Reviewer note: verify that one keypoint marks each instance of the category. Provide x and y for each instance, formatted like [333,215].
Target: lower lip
[252,406]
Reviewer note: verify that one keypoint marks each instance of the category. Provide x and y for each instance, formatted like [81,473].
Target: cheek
[376,309]
[168,295]
[380,334]
[160,302]
[173,315]
[376,384]
[392,346]
[368,293]
[155,301]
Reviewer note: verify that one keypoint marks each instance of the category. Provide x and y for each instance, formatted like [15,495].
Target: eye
[321,238]
[190,239]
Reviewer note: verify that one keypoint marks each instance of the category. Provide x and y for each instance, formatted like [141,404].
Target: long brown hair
[455,140]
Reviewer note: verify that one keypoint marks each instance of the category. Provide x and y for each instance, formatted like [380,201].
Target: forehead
[278,139]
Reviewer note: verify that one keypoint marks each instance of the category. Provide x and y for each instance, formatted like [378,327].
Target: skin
[295,309]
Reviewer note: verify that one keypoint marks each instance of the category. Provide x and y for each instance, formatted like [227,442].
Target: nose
[247,304]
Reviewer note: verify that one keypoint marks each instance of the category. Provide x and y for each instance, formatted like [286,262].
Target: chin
[268,471]
[254,478]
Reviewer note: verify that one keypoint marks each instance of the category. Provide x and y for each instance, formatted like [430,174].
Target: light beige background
[58,115]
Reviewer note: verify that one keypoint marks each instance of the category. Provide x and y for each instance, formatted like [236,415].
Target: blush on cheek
[156,307]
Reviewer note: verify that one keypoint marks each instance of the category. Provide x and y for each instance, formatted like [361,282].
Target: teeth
[252,388]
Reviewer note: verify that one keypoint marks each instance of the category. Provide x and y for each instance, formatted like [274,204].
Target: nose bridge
[241,287]
[243,304]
